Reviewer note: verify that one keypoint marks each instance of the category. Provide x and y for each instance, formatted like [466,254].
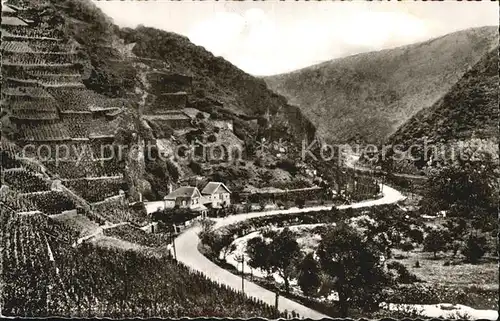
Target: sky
[271,37]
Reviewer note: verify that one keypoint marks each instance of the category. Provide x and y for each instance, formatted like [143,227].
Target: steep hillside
[465,118]
[366,97]
[217,79]
[167,92]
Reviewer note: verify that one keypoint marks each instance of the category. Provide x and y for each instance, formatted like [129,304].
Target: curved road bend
[187,252]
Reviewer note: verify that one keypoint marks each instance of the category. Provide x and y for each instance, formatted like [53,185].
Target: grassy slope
[367,96]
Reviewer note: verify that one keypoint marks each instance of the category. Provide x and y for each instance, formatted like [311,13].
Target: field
[484,275]
[76,222]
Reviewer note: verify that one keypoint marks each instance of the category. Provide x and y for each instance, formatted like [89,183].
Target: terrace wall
[285,196]
[96,190]
[113,209]
[171,101]
[162,82]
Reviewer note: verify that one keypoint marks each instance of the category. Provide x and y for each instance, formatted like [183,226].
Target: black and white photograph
[249,159]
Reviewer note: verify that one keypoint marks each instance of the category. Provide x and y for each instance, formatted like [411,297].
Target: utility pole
[241,258]
[242,273]
[276,302]
[173,243]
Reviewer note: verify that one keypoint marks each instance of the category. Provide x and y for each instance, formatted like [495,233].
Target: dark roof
[184,191]
[211,187]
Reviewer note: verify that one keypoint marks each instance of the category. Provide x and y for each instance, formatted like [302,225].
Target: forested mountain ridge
[466,118]
[366,97]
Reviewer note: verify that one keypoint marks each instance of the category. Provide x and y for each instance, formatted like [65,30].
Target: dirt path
[97,232]
[351,161]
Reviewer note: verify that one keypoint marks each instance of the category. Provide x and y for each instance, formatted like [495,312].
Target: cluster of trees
[467,191]
[473,245]
[280,255]
[345,262]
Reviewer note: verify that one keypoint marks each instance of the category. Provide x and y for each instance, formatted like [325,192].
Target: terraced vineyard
[43,275]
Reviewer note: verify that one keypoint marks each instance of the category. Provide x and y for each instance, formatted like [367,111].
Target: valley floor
[188,253]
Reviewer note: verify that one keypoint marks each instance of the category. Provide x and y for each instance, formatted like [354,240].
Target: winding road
[187,253]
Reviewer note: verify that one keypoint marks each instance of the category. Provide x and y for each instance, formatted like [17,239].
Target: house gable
[222,189]
[215,188]
[196,193]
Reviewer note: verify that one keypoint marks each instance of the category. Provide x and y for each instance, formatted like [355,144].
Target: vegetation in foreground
[57,279]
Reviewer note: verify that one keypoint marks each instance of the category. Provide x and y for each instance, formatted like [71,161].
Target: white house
[186,197]
[183,197]
[216,195]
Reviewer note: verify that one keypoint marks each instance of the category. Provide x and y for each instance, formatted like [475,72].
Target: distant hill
[366,97]
[466,117]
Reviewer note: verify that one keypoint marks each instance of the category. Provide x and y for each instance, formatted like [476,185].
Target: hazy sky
[270,37]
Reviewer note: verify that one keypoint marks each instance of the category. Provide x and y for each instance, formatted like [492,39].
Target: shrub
[300,202]
[475,247]
[416,235]
[404,276]
[195,167]
[415,294]
[212,138]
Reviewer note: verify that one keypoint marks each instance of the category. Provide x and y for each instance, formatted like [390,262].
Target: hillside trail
[188,253]
[97,232]
[352,162]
